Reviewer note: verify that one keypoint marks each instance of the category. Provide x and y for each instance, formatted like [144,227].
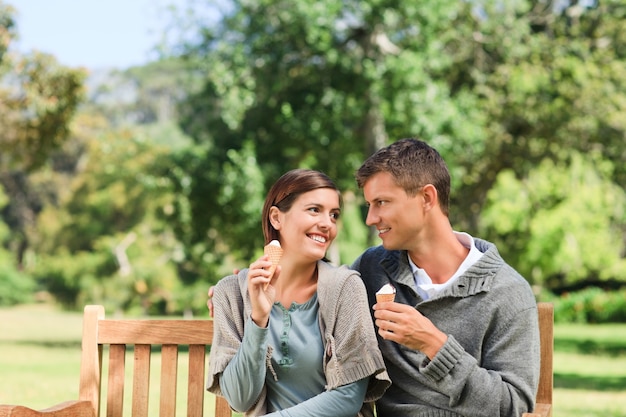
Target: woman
[304,345]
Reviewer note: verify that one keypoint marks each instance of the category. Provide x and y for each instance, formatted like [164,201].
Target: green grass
[40,362]
[590,370]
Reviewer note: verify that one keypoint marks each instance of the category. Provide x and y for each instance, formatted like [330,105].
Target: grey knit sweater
[349,337]
[490,364]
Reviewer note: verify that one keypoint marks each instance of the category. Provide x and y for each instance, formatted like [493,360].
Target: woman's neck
[296,284]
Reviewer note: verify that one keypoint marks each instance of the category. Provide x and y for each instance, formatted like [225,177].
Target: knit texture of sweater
[489,365]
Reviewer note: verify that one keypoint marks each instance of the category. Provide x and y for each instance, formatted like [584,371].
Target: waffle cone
[275,253]
[382,298]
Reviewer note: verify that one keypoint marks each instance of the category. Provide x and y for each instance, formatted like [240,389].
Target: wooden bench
[543,402]
[197,335]
[143,336]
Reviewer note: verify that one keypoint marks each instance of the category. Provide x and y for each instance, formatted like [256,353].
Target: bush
[591,305]
[15,287]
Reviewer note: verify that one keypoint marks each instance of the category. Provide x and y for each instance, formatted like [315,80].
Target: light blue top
[296,387]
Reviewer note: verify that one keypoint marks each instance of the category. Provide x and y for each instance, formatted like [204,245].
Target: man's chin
[388,245]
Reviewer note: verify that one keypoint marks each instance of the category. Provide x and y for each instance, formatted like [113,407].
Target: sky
[95,34]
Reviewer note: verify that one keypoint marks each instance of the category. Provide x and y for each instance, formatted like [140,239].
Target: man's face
[397,216]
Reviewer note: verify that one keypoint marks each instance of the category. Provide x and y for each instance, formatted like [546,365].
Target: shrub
[15,287]
[591,305]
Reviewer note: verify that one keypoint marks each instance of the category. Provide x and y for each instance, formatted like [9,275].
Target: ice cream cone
[275,252]
[386,293]
[382,298]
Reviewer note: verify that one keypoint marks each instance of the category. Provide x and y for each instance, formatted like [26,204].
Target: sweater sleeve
[500,382]
[228,329]
[350,336]
[243,379]
[343,401]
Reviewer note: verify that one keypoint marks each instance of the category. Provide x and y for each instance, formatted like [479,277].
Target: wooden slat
[91,360]
[546,330]
[195,389]
[222,409]
[141,381]
[177,332]
[115,389]
[169,378]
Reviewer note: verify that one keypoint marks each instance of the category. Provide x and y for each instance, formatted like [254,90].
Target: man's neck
[440,257]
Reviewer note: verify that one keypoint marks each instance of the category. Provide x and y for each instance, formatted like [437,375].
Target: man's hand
[209,301]
[403,324]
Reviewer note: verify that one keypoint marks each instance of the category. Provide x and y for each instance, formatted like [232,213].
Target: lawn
[590,370]
[40,361]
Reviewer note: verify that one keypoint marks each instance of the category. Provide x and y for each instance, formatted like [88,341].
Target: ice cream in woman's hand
[386,293]
[275,252]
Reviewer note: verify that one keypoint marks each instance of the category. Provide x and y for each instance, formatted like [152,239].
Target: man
[461,337]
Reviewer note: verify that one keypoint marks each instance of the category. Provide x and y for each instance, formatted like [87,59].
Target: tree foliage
[152,189]
[499,88]
[37,103]
[559,223]
[38,98]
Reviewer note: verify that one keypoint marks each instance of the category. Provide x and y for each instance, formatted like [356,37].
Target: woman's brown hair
[285,191]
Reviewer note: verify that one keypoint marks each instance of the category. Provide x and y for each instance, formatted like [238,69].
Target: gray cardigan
[490,364]
[348,333]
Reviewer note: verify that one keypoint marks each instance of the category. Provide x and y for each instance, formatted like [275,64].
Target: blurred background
[134,178]
[138,139]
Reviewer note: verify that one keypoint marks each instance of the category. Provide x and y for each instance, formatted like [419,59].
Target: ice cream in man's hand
[386,293]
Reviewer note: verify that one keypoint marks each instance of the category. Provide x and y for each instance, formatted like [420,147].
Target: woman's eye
[335,215]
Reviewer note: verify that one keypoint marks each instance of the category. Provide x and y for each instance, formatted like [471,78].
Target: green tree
[304,85]
[495,86]
[7,27]
[15,286]
[556,88]
[107,239]
[38,98]
[558,224]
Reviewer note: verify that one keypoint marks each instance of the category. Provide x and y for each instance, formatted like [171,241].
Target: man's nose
[372,218]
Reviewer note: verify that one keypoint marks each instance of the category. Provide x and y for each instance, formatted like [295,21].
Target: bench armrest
[66,409]
[541,410]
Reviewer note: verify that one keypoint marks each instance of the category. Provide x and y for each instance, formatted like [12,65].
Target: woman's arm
[343,401]
[244,377]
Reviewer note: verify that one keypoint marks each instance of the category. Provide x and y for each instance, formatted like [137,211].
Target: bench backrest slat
[145,336]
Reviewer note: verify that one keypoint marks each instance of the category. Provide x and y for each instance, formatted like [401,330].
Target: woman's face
[310,225]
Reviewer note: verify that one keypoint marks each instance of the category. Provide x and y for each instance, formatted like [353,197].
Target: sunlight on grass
[584,403]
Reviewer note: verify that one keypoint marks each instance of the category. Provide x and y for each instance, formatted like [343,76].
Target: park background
[138,188]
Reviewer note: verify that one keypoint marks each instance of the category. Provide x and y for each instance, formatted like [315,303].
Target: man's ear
[275,217]
[430,196]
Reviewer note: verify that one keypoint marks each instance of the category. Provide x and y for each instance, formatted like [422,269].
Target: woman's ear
[275,215]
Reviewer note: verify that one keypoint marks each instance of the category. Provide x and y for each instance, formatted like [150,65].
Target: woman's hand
[262,295]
